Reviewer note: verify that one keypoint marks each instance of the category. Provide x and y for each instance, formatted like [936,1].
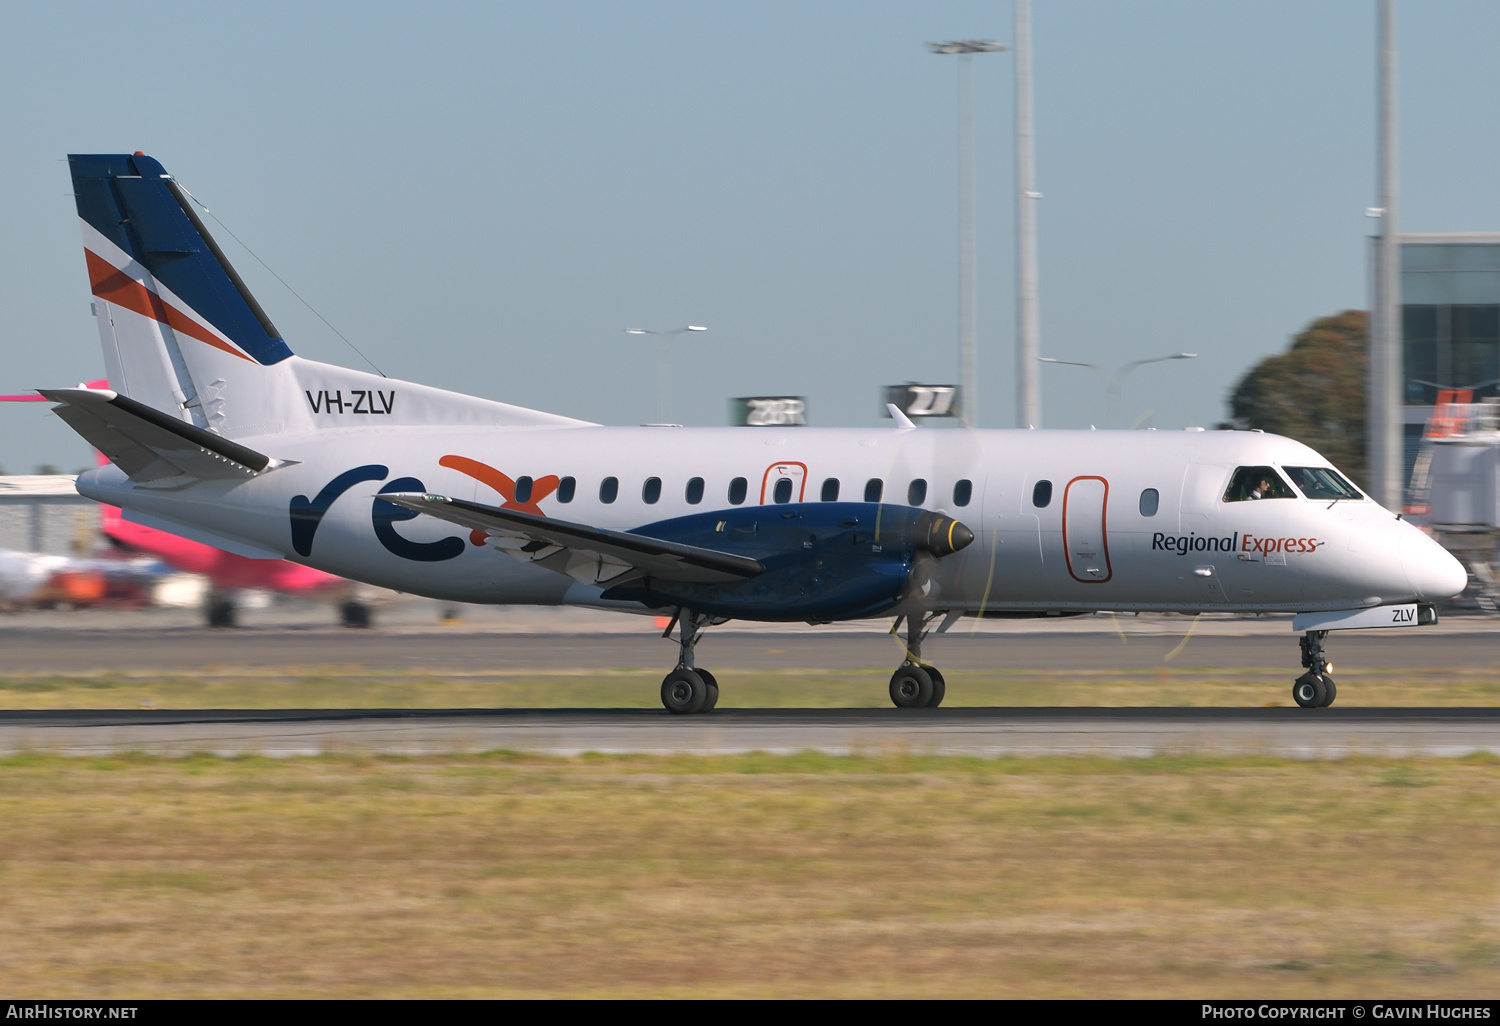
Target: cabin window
[916,492]
[873,489]
[963,491]
[694,494]
[1150,502]
[609,490]
[565,489]
[522,491]
[1251,483]
[1041,494]
[737,489]
[831,490]
[783,490]
[651,491]
[1322,483]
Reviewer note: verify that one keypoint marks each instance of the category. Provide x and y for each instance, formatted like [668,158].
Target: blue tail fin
[148,253]
[182,335]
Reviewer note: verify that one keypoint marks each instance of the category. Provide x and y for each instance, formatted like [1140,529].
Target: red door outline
[766,478]
[1103,530]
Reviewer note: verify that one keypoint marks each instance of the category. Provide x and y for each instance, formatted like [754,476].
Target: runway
[518,641]
[1272,646]
[1299,733]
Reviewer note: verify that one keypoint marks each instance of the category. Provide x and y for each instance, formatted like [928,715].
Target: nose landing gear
[916,685]
[688,689]
[1315,689]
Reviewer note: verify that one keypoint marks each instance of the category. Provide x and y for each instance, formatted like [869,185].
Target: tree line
[1314,392]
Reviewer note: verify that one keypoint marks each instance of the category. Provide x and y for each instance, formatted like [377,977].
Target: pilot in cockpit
[1251,483]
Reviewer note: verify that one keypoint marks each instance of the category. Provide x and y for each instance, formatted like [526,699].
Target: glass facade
[1450,324]
[1450,316]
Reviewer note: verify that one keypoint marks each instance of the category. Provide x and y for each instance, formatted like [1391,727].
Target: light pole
[664,366]
[1114,380]
[1383,413]
[1028,315]
[968,351]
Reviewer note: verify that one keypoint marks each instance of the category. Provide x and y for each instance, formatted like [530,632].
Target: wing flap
[594,555]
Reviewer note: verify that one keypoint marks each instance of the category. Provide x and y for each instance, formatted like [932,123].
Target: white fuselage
[1091,547]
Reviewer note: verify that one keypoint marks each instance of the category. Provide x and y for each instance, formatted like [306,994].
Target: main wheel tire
[354,614]
[939,688]
[684,692]
[911,687]
[1333,690]
[1309,692]
[713,690]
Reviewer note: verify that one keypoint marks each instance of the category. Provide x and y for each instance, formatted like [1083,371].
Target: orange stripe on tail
[115,286]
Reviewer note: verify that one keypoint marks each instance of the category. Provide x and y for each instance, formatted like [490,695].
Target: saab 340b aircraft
[217,432]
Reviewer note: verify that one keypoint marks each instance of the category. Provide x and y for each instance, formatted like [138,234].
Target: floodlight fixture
[968,46]
[1114,380]
[664,365]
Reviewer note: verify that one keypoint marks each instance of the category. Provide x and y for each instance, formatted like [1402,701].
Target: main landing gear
[916,685]
[354,614]
[688,689]
[1315,688]
[218,610]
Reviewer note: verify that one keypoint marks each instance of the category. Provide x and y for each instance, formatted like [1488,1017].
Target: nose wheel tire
[911,687]
[684,692]
[1315,689]
[1310,692]
[1332,688]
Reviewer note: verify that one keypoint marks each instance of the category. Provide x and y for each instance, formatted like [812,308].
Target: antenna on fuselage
[903,422]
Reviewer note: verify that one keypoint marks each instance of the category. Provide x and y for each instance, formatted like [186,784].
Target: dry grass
[752,875]
[356,687]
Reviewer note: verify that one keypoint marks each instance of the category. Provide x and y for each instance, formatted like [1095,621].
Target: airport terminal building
[44,513]
[1450,324]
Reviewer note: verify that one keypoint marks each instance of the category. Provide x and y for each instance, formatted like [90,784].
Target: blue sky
[482,196]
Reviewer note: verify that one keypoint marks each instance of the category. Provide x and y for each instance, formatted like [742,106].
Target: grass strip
[809,875]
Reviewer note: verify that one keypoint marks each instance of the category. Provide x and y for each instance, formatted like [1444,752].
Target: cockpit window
[1322,483]
[1257,483]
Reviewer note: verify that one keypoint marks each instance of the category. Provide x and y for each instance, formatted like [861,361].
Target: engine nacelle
[824,561]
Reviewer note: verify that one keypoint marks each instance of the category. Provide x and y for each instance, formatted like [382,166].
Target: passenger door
[1085,529]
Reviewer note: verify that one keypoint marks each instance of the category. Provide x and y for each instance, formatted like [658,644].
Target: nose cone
[1431,570]
[959,537]
[942,535]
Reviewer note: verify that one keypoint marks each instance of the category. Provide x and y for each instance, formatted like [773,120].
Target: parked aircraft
[227,573]
[215,429]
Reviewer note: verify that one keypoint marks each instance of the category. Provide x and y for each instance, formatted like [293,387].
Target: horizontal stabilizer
[150,446]
[593,555]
